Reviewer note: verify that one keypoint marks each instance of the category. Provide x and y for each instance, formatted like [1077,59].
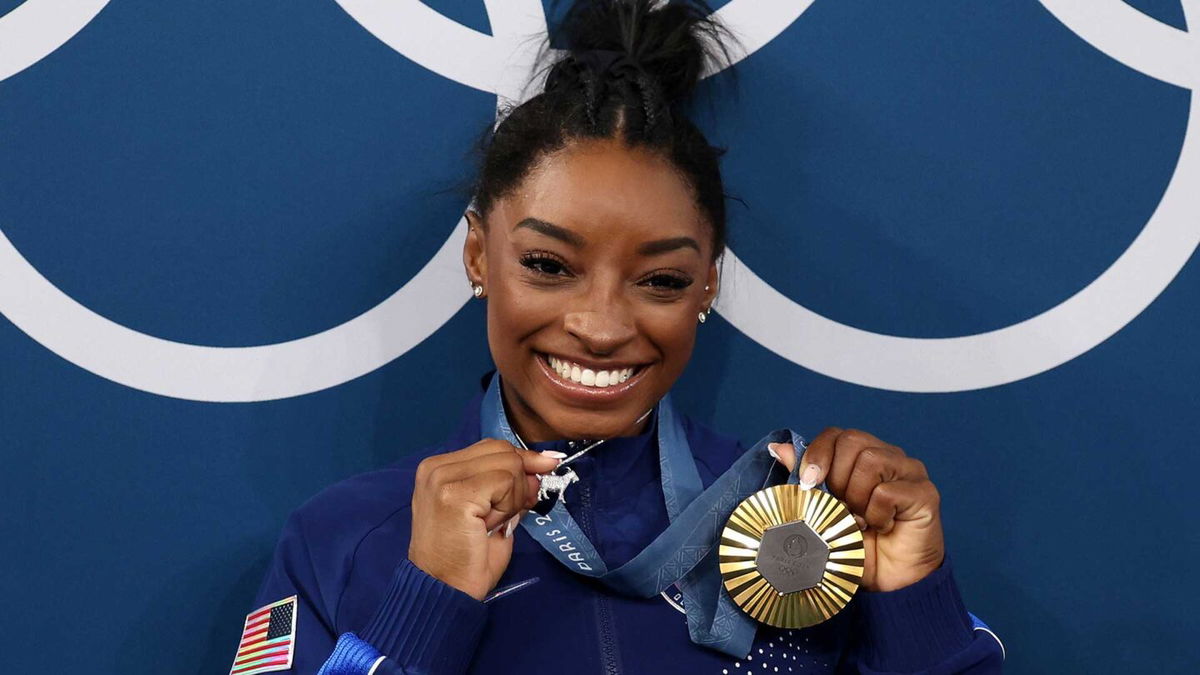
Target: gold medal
[791,557]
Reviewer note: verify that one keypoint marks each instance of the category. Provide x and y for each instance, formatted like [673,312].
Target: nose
[601,331]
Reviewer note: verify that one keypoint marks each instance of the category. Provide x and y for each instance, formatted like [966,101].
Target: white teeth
[587,376]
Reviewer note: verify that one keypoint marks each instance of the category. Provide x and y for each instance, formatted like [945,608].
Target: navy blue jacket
[344,554]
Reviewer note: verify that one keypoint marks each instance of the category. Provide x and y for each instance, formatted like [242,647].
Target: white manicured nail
[771,451]
[810,477]
[553,454]
[512,524]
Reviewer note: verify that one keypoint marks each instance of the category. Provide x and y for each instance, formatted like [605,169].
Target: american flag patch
[267,639]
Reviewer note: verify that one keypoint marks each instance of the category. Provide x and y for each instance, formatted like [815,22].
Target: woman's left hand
[890,495]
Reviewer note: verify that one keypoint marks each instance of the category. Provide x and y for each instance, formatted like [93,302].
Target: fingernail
[512,524]
[553,454]
[810,476]
[493,530]
[862,524]
[771,450]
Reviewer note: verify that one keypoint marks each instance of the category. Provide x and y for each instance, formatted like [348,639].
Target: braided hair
[631,66]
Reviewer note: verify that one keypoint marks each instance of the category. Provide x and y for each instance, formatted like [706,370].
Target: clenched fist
[465,505]
[890,495]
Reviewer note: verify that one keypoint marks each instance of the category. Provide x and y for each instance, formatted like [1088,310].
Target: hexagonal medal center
[792,557]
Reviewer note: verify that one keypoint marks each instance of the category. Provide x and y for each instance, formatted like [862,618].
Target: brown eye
[544,264]
[663,281]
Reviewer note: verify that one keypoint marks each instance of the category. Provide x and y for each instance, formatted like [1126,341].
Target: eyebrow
[566,236]
[550,230]
[666,245]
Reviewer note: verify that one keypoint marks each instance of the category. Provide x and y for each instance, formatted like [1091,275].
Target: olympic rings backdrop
[230,276]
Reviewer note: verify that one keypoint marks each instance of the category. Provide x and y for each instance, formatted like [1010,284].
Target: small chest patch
[268,639]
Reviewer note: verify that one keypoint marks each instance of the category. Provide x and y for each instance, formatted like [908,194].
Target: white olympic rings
[499,63]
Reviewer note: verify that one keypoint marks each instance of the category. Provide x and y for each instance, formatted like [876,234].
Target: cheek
[520,308]
[514,312]
[674,335]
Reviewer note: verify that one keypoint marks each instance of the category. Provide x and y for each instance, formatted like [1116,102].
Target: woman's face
[595,269]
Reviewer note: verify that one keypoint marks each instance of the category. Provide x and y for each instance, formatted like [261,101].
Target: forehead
[602,189]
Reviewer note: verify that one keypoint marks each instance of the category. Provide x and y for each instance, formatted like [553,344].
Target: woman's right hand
[460,498]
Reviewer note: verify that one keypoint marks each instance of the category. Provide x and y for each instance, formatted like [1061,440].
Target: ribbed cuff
[426,625]
[915,627]
[351,656]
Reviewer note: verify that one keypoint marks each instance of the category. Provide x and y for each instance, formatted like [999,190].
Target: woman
[594,239]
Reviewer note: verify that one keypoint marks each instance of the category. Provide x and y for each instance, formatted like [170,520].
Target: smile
[587,383]
[573,372]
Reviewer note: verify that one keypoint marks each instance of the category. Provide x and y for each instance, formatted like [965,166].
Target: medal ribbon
[686,551]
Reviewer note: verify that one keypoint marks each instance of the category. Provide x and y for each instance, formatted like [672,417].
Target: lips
[588,382]
[588,377]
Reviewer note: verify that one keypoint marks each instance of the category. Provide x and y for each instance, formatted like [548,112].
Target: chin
[592,424]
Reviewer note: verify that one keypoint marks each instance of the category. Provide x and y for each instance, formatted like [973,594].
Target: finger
[481,448]
[898,501]
[522,464]
[818,457]
[784,453]
[486,459]
[872,466]
[500,544]
[505,524]
[489,496]
[846,448]
[532,485]
[506,527]
[513,522]
[527,492]
[458,471]
[540,462]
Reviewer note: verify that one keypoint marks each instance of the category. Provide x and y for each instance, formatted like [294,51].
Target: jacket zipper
[609,655]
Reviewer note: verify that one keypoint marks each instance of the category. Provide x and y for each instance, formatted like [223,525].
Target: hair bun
[669,42]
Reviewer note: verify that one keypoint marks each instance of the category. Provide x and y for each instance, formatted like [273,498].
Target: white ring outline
[35,28]
[424,304]
[1042,342]
[315,362]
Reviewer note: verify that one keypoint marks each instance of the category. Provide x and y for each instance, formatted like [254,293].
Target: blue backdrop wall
[229,276]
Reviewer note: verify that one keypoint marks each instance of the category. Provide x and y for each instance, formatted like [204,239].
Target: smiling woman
[598,265]
[594,239]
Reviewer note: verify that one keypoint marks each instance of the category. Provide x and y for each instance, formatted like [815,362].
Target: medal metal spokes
[790,557]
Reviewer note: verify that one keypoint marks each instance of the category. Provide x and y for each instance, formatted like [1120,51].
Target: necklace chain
[591,445]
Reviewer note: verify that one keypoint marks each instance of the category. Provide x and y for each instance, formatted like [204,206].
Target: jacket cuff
[915,627]
[424,624]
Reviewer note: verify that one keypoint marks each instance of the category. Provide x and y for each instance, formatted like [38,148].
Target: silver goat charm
[552,483]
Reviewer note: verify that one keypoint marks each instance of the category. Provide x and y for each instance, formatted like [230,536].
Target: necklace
[553,486]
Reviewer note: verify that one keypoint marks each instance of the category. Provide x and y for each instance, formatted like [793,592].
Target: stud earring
[477,289]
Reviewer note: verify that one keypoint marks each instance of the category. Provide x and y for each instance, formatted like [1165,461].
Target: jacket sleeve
[421,627]
[424,626]
[922,628]
[291,572]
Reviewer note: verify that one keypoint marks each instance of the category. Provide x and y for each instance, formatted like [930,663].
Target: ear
[713,283]
[475,250]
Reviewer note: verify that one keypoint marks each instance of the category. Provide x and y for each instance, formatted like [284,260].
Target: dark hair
[631,67]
